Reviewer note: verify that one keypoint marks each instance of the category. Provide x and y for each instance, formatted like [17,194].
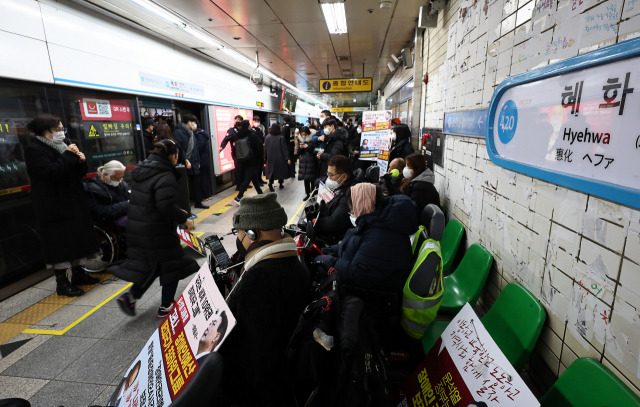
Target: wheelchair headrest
[373,174]
[433,219]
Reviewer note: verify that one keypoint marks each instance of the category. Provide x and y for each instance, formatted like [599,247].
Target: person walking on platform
[288,132]
[308,167]
[276,157]
[418,182]
[232,135]
[267,302]
[204,150]
[183,134]
[64,220]
[153,246]
[248,170]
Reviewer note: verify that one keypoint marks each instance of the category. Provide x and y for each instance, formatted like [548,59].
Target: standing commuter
[308,167]
[147,127]
[153,246]
[64,220]
[288,132]
[231,137]
[258,128]
[401,137]
[276,156]
[183,134]
[203,138]
[250,166]
[335,140]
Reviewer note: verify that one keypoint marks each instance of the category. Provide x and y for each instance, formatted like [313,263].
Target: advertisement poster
[103,118]
[198,324]
[464,367]
[224,117]
[191,240]
[324,193]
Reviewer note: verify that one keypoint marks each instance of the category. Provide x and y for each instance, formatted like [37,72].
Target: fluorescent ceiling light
[159,11]
[335,17]
[203,37]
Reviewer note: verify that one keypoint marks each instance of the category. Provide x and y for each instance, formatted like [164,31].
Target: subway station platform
[62,351]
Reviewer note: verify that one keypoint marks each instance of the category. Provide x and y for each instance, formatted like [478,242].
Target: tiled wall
[579,254]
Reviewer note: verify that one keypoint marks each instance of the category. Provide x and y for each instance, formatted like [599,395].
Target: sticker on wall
[574,123]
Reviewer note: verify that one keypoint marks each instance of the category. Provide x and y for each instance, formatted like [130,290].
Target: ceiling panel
[309,33]
[409,8]
[290,53]
[265,55]
[248,12]
[272,34]
[199,12]
[297,11]
[228,33]
[320,52]
[341,45]
[402,28]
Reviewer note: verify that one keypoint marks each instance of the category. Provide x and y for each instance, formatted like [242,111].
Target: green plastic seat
[514,322]
[465,284]
[587,383]
[451,242]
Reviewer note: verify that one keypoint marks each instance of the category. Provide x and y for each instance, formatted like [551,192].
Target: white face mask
[58,137]
[331,184]
[353,218]
[393,136]
[194,127]
[407,172]
[359,130]
[113,183]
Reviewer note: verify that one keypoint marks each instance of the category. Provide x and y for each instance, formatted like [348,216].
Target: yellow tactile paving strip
[8,331]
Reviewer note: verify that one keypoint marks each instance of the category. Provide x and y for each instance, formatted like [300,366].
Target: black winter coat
[422,191]
[402,149]
[182,134]
[153,246]
[106,203]
[267,303]
[65,226]
[334,144]
[308,164]
[203,138]
[276,154]
[376,254]
[334,221]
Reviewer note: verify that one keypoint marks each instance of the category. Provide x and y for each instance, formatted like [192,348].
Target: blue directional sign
[471,123]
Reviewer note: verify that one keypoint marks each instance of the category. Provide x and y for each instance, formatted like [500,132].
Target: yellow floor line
[77,321]
[295,215]
[204,214]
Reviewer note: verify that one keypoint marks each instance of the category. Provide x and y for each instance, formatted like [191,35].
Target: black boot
[80,277]
[63,287]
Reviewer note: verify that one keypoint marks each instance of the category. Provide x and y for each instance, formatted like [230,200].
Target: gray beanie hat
[259,212]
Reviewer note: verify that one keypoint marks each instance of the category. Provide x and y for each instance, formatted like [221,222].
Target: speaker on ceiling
[407,59]
[427,18]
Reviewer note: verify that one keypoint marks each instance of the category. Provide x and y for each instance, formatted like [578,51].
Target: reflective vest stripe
[412,326]
[421,304]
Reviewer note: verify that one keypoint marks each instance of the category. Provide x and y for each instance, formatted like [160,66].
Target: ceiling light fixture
[159,11]
[335,17]
[203,37]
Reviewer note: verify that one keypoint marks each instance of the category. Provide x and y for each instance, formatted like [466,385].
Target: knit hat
[363,199]
[260,212]
[147,122]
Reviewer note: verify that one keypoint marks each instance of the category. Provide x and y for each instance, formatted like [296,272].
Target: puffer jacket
[376,254]
[153,246]
[335,144]
[106,203]
[308,166]
[422,191]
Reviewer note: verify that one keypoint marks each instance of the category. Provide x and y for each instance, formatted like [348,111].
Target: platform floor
[60,351]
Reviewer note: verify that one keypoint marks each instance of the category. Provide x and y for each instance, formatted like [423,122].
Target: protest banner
[191,240]
[197,325]
[465,367]
[324,193]
[375,129]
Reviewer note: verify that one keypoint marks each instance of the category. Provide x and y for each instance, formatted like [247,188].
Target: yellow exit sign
[346,85]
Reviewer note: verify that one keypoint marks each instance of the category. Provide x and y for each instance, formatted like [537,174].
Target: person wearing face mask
[153,246]
[335,140]
[308,167]
[401,142]
[60,204]
[188,143]
[333,220]
[230,138]
[418,182]
[108,194]
[267,301]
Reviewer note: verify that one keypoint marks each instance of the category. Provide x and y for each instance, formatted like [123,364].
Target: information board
[574,123]
[223,121]
[469,123]
[465,366]
[346,85]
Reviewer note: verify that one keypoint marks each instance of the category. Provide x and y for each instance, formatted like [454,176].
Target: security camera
[370,11]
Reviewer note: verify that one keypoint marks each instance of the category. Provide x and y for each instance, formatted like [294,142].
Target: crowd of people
[366,227]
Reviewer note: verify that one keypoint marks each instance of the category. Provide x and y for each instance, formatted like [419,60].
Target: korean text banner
[346,85]
[198,324]
[574,127]
[376,120]
[465,366]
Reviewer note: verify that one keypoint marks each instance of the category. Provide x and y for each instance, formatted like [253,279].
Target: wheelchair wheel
[106,255]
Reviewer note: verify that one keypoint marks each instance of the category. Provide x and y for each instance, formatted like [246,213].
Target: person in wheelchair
[333,221]
[373,260]
[266,301]
[108,195]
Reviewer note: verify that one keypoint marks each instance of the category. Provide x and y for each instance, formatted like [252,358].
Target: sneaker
[164,311]
[271,188]
[281,186]
[237,201]
[305,198]
[200,205]
[126,303]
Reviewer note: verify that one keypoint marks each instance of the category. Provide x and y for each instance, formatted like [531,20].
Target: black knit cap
[260,212]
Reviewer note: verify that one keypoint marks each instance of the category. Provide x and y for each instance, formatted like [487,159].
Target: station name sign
[346,85]
[574,123]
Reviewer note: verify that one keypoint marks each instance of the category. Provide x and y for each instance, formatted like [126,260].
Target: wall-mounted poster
[223,118]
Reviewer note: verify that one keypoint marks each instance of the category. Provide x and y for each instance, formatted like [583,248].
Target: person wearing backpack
[276,156]
[248,153]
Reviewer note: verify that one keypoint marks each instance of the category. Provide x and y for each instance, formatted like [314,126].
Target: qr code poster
[198,324]
[105,109]
[465,367]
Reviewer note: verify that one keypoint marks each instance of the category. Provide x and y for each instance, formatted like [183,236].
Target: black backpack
[243,149]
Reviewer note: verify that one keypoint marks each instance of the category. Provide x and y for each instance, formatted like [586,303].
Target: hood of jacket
[426,176]
[151,167]
[398,215]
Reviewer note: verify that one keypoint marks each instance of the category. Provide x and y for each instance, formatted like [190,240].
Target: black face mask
[242,252]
